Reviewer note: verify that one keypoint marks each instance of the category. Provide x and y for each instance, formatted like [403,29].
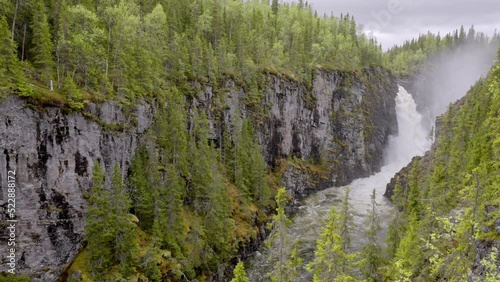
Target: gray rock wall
[53,154]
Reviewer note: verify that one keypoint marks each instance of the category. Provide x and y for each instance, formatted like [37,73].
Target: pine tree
[99,226]
[43,47]
[109,231]
[73,93]
[11,74]
[408,257]
[125,245]
[239,273]
[371,253]
[274,6]
[333,260]
[143,187]
[287,260]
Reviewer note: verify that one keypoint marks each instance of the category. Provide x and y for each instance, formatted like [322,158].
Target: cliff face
[53,154]
[345,130]
[341,125]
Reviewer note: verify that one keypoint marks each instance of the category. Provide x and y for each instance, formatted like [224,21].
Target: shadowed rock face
[345,120]
[53,154]
[347,127]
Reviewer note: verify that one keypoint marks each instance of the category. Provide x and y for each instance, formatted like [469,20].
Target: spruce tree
[333,261]
[239,273]
[11,74]
[168,224]
[42,43]
[280,245]
[274,6]
[200,161]
[143,187]
[73,93]
[371,253]
[171,129]
[408,256]
[109,231]
[99,225]
[125,245]
[398,221]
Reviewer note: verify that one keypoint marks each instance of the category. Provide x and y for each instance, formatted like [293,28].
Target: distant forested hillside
[410,57]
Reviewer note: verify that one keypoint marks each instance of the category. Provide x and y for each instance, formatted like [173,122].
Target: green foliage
[279,242]
[73,93]
[492,267]
[12,79]
[186,200]
[239,273]
[371,256]
[109,231]
[449,203]
[143,182]
[13,278]
[408,256]
[247,164]
[42,43]
[97,232]
[132,48]
[333,259]
[409,58]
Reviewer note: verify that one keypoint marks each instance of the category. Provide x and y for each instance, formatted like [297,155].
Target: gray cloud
[393,21]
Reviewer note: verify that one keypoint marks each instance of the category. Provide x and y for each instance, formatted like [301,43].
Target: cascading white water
[413,136]
[307,222]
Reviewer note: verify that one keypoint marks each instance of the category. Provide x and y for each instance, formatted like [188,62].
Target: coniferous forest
[188,206]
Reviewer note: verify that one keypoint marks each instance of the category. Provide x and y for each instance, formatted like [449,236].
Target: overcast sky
[393,21]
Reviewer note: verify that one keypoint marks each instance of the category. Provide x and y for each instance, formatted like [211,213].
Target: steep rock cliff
[53,155]
[341,124]
[345,130]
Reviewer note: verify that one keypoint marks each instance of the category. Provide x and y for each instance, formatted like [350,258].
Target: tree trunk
[14,20]
[24,40]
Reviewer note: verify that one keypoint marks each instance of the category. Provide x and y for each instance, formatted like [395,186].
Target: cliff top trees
[129,48]
[11,76]
[43,49]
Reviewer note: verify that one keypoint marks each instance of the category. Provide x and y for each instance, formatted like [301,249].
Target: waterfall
[412,140]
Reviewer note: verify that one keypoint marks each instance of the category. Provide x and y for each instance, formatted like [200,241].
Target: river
[412,139]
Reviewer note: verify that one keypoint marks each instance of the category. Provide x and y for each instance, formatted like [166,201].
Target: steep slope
[451,196]
[314,138]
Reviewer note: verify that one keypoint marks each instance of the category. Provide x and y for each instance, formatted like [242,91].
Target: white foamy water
[412,140]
